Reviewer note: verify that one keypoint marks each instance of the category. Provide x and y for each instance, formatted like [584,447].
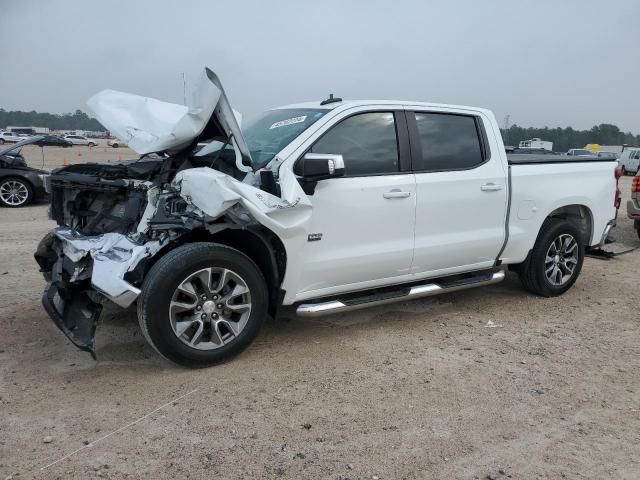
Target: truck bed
[530,159]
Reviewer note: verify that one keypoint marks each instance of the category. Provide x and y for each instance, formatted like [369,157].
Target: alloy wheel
[561,259]
[210,308]
[14,192]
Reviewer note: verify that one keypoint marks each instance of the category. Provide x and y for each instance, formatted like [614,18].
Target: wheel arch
[258,243]
[578,214]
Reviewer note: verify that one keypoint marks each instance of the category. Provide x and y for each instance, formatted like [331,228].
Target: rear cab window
[447,141]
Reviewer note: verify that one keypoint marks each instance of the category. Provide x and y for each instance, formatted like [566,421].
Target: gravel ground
[422,389]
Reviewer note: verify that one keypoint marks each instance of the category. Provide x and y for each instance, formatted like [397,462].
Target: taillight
[617,200]
[618,172]
[635,185]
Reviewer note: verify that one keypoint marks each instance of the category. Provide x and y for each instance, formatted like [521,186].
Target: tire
[638,233]
[15,192]
[172,282]
[91,144]
[1,141]
[114,145]
[533,271]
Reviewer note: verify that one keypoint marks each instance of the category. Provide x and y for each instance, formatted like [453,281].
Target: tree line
[565,138]
[65,121]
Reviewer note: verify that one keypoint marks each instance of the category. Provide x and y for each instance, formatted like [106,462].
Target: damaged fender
[214,193]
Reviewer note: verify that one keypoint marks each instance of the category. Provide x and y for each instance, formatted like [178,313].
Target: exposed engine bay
[113,219]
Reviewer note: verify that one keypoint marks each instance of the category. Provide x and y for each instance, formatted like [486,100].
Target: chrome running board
[390,296]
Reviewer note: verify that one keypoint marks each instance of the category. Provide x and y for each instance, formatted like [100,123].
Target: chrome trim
[607,229]
[426,290]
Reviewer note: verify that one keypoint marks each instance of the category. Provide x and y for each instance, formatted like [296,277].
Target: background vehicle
[633,204]
[629,160]
[536,143]
[580,152]
[54,141]
[116,143]
[9,137]
[530,151]
[81,140]
[329,206]
[19,184]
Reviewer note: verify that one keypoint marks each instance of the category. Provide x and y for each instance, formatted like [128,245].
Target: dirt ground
[417,390]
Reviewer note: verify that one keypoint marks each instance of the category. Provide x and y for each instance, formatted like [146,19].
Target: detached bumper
[605,233]
[83,272]
[75,316]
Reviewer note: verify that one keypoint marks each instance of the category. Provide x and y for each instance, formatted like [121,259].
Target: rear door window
[367,142]
[448,142]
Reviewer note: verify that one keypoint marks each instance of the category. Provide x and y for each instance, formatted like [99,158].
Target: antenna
[331,99]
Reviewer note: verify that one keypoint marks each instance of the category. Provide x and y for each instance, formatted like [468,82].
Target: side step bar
[408,293]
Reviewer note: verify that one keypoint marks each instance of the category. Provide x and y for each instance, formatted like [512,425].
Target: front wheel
[15,192]
[555,262]
[202,303]
[1,141]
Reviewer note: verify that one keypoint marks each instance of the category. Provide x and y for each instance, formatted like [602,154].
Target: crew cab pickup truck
[327,206]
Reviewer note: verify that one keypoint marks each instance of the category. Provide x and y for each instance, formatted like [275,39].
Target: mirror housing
[319,166]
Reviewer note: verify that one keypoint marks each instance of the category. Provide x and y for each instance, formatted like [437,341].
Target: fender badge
[314,237]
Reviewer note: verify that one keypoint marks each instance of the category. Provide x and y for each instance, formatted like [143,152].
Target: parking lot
[490,382]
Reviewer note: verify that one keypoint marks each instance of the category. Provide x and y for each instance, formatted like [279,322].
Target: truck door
[461,194]
[361,228]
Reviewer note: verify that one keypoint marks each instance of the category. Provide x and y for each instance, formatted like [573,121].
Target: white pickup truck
[329,206]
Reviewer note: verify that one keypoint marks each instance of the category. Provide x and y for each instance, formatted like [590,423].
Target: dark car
[54,141]
[20,184]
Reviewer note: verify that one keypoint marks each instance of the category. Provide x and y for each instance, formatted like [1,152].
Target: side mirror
[319,166]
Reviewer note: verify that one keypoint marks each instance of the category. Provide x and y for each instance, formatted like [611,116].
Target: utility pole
[184,89]
[507,118]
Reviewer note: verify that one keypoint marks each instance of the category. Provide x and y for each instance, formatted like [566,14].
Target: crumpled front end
[114,220]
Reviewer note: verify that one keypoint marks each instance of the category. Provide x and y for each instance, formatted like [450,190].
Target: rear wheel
[555,262]
[1,141]
[15,192]
[114,145]
[202,303]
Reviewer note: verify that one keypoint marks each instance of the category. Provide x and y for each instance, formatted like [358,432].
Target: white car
[81,140]
[116,143]
[326,206]
[10,137]
[630,161]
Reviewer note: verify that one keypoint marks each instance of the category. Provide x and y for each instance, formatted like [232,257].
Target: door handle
[491,187]
[396,193]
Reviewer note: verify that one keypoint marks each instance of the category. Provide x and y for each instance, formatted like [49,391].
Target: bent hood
[149,125]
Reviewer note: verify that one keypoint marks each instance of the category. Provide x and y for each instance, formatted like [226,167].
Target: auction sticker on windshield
[288,121]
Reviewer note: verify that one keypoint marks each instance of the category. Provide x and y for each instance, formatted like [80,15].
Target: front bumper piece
[83,272]
[75,316]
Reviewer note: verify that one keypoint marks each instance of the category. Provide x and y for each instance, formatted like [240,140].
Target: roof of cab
[345,104]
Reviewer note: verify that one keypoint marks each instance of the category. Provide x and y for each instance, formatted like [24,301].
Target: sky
[556,63]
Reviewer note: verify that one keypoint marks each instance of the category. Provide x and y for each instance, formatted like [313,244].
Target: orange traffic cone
[65,161]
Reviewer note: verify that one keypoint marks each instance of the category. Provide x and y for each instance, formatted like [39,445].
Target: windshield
[269,132]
